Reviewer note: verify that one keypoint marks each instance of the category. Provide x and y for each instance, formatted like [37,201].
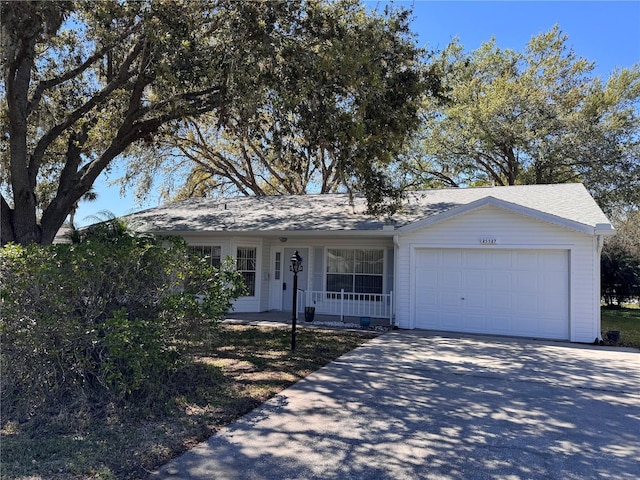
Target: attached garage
[525,262]
[519,292]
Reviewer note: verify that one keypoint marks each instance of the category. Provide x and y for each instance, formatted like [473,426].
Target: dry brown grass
[235,370]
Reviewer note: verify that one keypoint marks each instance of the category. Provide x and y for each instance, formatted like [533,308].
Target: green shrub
[104,320]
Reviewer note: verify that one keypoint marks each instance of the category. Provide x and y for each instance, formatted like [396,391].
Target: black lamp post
[296,266]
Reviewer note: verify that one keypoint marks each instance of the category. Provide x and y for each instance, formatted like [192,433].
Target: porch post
[342,304]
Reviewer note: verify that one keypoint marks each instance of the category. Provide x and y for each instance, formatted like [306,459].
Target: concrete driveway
[419,406]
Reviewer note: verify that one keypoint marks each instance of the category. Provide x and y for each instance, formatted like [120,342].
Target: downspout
[598,292]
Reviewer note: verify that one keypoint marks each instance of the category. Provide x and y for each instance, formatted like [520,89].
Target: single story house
[515,260]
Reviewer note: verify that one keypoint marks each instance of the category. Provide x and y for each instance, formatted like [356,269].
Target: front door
[287,276]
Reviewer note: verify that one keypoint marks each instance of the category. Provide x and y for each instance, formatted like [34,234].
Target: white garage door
[503,292]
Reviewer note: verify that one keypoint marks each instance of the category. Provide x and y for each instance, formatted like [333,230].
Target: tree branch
[48,84]
[123,75]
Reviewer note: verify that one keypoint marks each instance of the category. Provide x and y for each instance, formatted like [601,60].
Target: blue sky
[607,33]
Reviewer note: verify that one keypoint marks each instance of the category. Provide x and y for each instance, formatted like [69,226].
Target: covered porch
[320,320]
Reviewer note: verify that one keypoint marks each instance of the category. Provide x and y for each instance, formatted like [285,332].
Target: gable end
[502,204]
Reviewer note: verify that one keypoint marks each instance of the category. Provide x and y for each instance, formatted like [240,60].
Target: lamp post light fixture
[295,267]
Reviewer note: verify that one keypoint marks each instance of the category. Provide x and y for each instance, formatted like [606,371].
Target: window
[246,265]
[278,267]
[355,270]
[212,254]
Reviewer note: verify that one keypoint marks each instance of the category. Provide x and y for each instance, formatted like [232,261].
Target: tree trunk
[21,55]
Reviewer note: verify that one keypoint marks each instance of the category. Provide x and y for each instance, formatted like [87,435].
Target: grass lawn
[237,369]
[626,321]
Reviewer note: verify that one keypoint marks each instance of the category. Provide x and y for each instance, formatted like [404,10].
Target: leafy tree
[344,93]
[88,82]
[535,116]
[620,270]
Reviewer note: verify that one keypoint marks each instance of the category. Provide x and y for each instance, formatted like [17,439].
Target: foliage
[103,320]
[343,93]
[535,116]
[620,270]
[88,83]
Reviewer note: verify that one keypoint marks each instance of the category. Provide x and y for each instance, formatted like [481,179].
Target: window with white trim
[246,264]
[355,270]
[211,253]
[278,267]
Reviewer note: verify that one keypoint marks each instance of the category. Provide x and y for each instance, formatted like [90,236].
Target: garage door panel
[451,258]
[449,318]
[498,303]
[427,261]
[502,325]
[499,281]
[499,259]
[476,260]
[553,278]
[553,304]
[554,261]
[509,292]
[450,299]
[474,323]
[526,303]
[426,279]
[475,278]
[451,279]
[475,301]
[526,261]
[526,282]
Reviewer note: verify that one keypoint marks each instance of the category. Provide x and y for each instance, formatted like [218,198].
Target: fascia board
[605,229]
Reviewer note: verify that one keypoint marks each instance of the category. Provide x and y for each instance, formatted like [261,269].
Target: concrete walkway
[418,406]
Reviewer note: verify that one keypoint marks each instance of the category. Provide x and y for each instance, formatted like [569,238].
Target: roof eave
[279,233]
[604,229]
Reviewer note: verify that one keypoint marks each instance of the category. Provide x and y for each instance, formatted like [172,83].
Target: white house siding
[510,231]
[264,276]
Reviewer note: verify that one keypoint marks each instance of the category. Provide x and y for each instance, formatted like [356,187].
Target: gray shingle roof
[334,212]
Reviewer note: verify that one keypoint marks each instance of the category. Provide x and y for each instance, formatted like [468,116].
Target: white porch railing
[347,304]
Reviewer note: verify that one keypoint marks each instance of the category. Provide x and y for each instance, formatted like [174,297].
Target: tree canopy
[344,92]
[87,82]
[289,97]
[536,116]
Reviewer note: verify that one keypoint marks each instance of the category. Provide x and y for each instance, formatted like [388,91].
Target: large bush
[105,320]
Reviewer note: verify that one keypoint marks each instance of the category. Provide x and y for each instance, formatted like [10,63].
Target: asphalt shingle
[335,212]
